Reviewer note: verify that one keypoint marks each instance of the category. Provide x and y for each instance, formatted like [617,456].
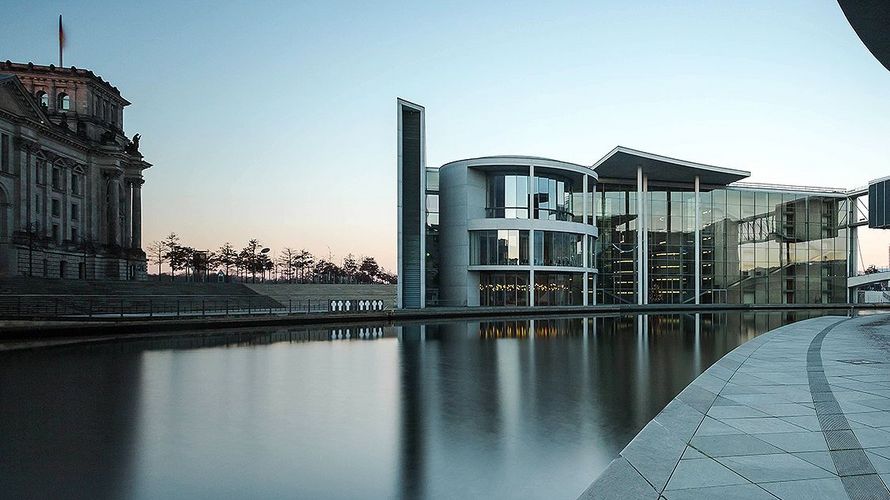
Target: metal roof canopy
[622,163]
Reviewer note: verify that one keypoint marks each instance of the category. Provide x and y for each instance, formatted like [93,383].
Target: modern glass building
[677,232]
[634,228]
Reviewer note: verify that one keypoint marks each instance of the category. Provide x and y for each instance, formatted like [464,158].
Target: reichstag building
[70,180]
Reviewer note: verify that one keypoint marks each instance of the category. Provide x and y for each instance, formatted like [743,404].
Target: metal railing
[43,306]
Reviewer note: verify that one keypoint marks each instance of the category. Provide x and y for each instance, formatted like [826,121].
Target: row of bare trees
[253,263]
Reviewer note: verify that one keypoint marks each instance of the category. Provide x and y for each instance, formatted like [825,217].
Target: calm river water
[501,409]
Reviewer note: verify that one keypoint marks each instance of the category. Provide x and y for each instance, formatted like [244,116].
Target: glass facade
[757,246]
[432,237]
[499,248]
[503,289]
[553,198]
[507,197]
[559,289]
[554,248]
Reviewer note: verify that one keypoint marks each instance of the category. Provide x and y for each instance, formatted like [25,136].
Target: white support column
[531,237]
[585,301]
[645,239]
[697,243]
[640,250]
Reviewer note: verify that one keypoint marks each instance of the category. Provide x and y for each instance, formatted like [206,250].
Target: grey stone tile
[884,452]
[785,409]
[793,442]
[732,444]
[619,481]
[872,438]
[701,473]
[877,403]
[880,463]
[810,489]
[709,383]
[808,422]
[712,427]
[680,418]
[691,453]
[697,397]
[763,425]
[737,492]
[767,468]
[819,459]
[872,419]
[735,411]
[654,452]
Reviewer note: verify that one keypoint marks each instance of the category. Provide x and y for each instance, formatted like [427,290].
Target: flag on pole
[61,40]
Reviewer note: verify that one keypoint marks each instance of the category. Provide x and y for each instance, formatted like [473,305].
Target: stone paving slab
[802,411]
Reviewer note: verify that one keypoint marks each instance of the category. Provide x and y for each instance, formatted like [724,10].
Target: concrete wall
[461,198]
[313,291]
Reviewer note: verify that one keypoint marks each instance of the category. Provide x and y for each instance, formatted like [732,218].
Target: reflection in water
[499,409]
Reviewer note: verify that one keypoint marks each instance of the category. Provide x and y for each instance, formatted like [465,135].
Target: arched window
[42,98]
[64,102]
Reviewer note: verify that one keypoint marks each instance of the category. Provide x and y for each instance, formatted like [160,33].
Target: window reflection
[507,197]
[499,248]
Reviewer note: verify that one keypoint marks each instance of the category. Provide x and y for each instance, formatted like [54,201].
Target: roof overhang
[870,19]
[622,163]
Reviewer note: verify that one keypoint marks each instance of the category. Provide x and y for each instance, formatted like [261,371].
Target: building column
[641,273]
[137,214]
[126,240]
[115,212]
[645,225]
[697,243]
[585,210]
[585,301]
[532,185]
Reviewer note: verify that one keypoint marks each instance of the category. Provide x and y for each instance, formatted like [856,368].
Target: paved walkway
[801,412]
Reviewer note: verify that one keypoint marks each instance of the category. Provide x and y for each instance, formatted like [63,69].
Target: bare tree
[155,254]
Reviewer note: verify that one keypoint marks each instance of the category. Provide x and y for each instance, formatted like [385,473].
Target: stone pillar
[137,213]
[126,240]
[114,212]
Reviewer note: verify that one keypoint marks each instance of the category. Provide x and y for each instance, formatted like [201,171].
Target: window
[63,103]
[4,152]
[40,172]
[57,178]
[56,233]
[74,234]
[553,199]
[507,197]
[75,183]
[42,98]
[37,203]
[74,211]
[56,207]
[558,249]
[505,247]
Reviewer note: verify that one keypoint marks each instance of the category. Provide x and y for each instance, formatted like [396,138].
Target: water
[503,409]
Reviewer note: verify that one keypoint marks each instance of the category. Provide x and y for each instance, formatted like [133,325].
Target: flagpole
[60,41]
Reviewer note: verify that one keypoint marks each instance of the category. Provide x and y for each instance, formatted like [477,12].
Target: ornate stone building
[70,180]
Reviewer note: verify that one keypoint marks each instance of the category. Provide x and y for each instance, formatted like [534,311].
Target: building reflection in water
[495,409]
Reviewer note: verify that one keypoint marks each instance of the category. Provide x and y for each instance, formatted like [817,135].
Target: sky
[277,120]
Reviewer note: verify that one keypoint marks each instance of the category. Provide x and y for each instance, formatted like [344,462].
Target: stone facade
[70,180]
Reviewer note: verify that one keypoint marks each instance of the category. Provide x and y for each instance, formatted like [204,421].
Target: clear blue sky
[277,120]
